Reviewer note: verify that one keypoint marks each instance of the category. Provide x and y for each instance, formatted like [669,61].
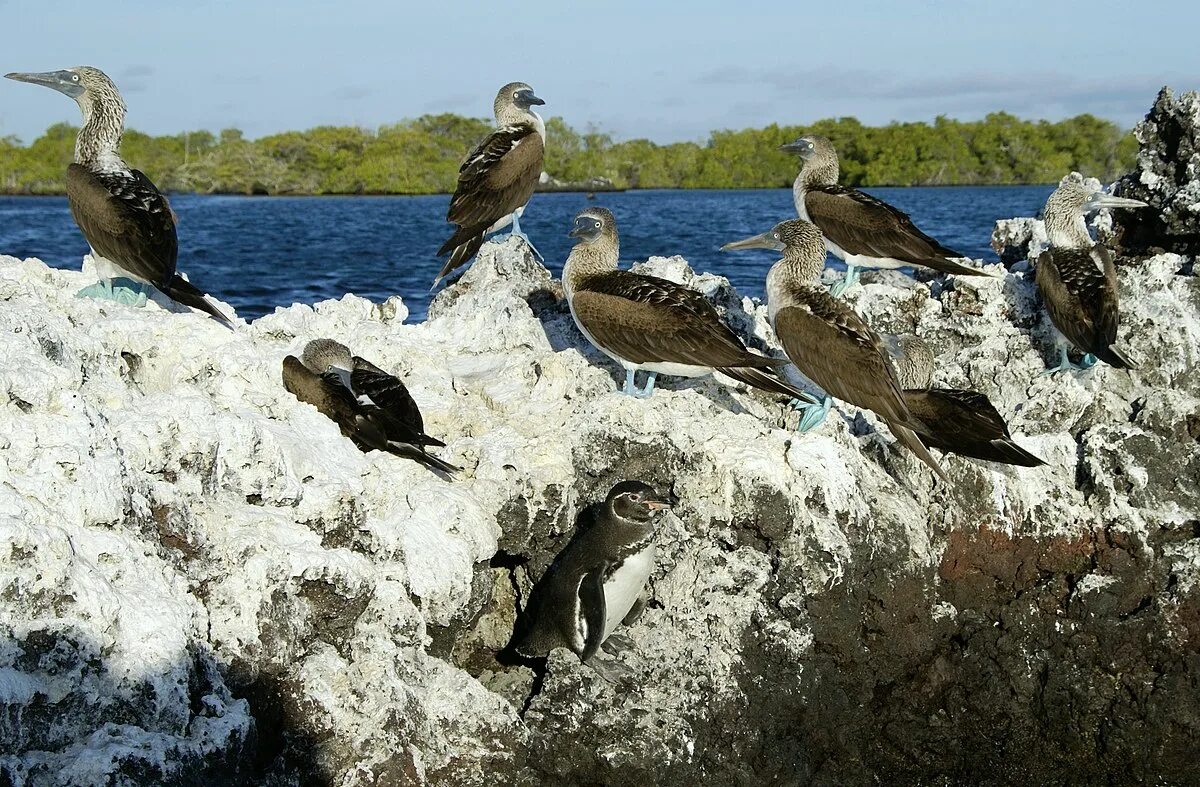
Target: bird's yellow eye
[776,236]
[516,95]
[74,77]
[635,497]
[597,225]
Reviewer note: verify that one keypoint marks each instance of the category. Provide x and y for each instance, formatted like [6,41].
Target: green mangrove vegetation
[421,156]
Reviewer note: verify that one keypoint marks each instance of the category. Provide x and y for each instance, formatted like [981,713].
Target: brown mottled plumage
[826,339]
[958,421]
[1076,275]
[371,407]
[645,322]
[861,229]
[127,222]
[498,177]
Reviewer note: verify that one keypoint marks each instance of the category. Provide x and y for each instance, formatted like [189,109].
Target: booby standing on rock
[1077,278]
[644,322]
[959,421]
[827,340]
[596,581]
[498,178]
[126,220]
[858,228]
[370,406]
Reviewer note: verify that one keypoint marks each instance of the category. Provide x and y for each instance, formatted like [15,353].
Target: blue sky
[635,69]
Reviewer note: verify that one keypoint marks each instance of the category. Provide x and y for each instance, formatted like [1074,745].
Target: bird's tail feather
[946,265]
[912,442]
[1114,358]
[183,291]
[428,460]
[1009,453]
[460,253]
[763,380]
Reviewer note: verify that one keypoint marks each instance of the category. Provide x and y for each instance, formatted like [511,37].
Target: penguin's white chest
[621,590]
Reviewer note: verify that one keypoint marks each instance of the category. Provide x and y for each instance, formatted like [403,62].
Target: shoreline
[540,191]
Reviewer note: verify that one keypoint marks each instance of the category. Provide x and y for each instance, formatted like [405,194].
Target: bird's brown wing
[497,178]
[400,410]
[1074,291]
[861,224]
[950,411]
[125,220]
[645,319]
[966,423]
[838,351]
[333,400]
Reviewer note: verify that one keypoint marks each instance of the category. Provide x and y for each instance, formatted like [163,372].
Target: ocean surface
[259,253]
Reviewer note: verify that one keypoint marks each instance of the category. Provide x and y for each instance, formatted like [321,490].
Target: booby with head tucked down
[1076,275]
[959,421]
[596,581]
[652,324]
[827,340]
[125,219]
[498,177]
[859,229]
[370,406]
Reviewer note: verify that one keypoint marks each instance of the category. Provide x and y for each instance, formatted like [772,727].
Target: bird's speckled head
[799,235]
[101,104]
[513,102]
[320,355]
[636,502]
[810,146]
[793,235]
[89,86]
[1074,198]
[594,224]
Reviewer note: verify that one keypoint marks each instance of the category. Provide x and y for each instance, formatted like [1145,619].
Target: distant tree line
[422,156]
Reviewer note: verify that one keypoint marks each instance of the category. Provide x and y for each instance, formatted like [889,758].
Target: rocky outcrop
[1167,177]
[202,581]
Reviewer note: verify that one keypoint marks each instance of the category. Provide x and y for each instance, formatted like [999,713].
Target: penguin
[595,583]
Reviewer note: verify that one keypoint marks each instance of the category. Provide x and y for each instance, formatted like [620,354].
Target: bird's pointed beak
[56,80]
[766,240]
[658,502]
[529,99]
[1109,201]
[792,147]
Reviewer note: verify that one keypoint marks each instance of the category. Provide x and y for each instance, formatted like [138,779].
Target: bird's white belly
[666,367]
[107,269]
[506,220]
[622,589]
[862,261]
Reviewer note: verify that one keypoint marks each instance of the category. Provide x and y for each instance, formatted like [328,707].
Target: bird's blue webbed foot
[631,389]
[516,231]
[648,388]
[120,290]
[849,280]
[814,413]
[1065,365]
[1087,361]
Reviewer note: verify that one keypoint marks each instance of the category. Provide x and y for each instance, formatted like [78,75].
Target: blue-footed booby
[827,340]
[127,222]
[596,581]
[498,177]
[644,322]
[859,229]
[370,406]
[1077,278]
[959,421]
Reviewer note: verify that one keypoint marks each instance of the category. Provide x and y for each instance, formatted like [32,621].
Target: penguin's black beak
[659,502]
